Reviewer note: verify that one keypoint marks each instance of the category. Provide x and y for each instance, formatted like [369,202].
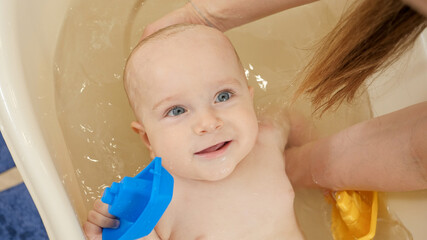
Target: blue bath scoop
[138,202]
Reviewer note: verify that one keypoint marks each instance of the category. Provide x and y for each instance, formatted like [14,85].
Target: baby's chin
[218,175]
[223,170]
[213,174]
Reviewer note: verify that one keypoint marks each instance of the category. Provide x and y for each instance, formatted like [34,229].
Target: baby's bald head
[150,57]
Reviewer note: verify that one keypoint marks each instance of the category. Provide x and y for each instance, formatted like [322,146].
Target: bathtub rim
[19,142]
[21,131]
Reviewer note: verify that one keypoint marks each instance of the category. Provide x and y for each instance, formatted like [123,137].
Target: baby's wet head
[151,53]
[192,101]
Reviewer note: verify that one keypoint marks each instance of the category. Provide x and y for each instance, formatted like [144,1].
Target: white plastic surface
[28,32]
[28,36]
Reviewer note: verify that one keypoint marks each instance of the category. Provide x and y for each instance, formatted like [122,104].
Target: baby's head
[192,102]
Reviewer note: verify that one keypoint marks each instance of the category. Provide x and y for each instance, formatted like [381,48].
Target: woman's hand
[186,14]
[387,153]
[222,14]
[99,218]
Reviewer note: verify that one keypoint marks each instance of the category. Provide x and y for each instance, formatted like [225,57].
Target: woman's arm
[222,14]
[388,153]
[227,14]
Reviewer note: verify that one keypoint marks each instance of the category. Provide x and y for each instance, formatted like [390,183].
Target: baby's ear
[251,91]
[139,128]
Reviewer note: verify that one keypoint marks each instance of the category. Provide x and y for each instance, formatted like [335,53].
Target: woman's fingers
[185,14]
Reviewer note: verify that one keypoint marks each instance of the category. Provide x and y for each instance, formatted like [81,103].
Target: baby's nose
[207,122]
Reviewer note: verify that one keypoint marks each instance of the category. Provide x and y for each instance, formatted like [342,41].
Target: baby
[194,109]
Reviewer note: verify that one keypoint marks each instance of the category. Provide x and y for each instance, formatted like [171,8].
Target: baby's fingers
[92,231]
[102,208]
[102,220]
[99,216]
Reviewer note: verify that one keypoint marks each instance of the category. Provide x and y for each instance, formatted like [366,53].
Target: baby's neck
[237,176]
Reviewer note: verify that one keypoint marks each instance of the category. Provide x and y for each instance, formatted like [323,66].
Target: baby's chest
[259,208]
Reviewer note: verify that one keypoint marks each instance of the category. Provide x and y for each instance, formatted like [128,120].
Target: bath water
[95,117]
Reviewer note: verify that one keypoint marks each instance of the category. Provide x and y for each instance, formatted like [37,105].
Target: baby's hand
[97,219]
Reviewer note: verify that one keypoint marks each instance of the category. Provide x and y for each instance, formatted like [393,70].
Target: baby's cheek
[169,160]
[168,166]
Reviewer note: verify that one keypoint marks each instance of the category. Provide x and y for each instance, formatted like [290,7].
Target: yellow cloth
[354,215]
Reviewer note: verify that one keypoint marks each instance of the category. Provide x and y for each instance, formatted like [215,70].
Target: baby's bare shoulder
[273,133]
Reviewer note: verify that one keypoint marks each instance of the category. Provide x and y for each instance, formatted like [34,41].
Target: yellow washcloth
[354,215]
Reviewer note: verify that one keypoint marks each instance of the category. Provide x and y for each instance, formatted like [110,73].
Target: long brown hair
[371,36]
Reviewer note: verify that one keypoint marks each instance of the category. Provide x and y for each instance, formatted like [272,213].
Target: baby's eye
[175,111]
[223,96]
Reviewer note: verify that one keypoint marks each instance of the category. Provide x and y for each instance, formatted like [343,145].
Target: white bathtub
[28,36]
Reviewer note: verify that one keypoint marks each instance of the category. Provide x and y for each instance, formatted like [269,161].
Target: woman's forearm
[388,153]
[221,14]
[227,14]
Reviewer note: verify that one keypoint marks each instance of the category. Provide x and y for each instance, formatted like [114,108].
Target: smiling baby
[194,109]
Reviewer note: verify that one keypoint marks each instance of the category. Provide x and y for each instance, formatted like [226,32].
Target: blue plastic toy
[139,202]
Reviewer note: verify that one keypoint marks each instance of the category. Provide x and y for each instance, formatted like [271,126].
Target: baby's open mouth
[214,148]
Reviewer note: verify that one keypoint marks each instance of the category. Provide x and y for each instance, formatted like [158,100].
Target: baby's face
[197,111]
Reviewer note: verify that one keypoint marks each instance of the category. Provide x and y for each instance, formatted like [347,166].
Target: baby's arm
[99,218]
[388,153]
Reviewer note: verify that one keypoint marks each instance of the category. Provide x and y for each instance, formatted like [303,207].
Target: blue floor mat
[6,161]
[19,218]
